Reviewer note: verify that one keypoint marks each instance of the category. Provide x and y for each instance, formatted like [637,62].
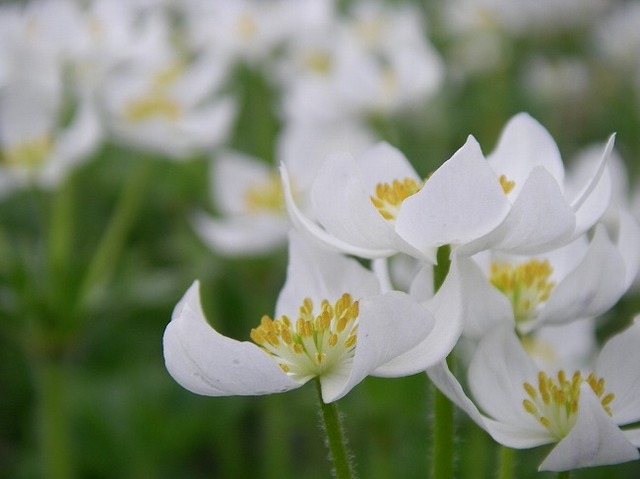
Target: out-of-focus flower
[617,39]
[331,322]
[248,193]
[562,80]
[371,61]
[173,108]
[37,145]
[522,406]
[239,30]
[536,213]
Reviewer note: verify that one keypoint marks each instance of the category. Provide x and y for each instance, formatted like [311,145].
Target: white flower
[355,202]
[557,287]
[35,147]
[248,193]
[536,212]
[331,322]
[522,407]
[168,105]
[373,60]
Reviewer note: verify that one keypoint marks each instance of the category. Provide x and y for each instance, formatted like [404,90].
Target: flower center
[246,26]
[28,154]
[157,102]
[555,402]
[319,62]
[152,106]
[266,196]
[526,285]
[389,197]
[507,185]
[313,344]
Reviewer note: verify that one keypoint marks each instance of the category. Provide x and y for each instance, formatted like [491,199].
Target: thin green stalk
[61,227]
[53,423]
[335,437]
[61,224]
[506,462]
[443,423]
[114,238]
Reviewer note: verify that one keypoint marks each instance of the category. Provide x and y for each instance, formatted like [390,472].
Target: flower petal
[525,144]
[319,274]
[321,236]
[594,440]
[460,202]
[618,364]
[628,241]
[540,219]
[583,293]
[382,164]
[342,200]
[241,235]
[446,309]
[388,326]
[208,363]
[232,174]
[592,201]
[484,306]
[511,435]
[498,370]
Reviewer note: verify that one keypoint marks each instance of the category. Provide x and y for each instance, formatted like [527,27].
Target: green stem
[506,462]
[61,228]
[53,424]
[443,424]
[335,437]
[564,475]
[115,236]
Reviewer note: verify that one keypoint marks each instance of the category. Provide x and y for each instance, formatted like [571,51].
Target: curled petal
[205,362]
[516,436]
[310,229]
[593,200]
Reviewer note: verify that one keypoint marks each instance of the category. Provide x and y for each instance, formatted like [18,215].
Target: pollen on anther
[507,185]
[316,341]
[389,196]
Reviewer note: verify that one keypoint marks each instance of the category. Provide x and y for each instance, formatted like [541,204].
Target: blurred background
[138,146]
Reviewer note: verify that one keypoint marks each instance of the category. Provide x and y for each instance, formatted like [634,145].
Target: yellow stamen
[318,342]
[556,405]
[526,285]
[506,184]
[389,197]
